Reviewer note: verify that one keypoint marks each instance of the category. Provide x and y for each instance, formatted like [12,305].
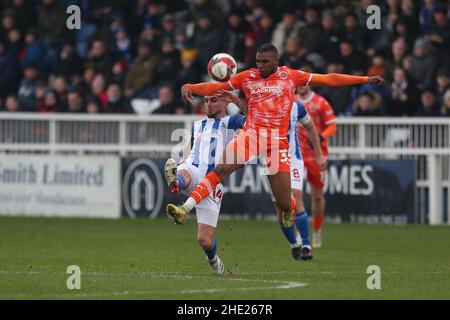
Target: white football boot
[317,238]
[218,266]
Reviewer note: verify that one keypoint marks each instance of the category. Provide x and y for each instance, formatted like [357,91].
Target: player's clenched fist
[186,94]
[378,80]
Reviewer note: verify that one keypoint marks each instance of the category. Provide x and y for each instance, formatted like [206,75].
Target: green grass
[154,259]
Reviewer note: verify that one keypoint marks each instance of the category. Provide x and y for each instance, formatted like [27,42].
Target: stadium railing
[427,140]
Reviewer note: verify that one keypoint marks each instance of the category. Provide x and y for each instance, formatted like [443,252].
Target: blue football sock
[181,182]
[211,252]
[289,233]
[301,221]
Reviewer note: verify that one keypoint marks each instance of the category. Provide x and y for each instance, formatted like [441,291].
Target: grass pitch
[155,259]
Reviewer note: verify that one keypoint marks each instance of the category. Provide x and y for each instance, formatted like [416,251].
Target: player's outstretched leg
[178,213]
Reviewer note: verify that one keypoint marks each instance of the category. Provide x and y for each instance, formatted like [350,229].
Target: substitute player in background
[208,139]
[323,116]
[269,92]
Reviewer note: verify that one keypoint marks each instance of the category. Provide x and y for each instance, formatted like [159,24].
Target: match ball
[222,67]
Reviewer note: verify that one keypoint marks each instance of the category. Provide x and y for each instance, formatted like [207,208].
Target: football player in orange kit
[269,92]
[324,119]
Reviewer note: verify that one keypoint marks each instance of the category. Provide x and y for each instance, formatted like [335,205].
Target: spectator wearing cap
[428,106]
[423,64]
[311,32]
[287,27]
[190,71]
[9,70]
[403,95]
[168,64]
[207,39]
[27,88]
[141,74]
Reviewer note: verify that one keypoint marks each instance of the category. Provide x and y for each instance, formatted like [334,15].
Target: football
[222,67]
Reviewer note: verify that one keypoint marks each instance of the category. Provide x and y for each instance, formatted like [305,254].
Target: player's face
[215,106]
[266,63]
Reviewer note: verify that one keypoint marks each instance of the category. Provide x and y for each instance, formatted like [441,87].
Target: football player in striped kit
[209,137]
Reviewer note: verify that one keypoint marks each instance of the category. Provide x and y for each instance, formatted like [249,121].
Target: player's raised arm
[202,89]
[234,99]
[340,80]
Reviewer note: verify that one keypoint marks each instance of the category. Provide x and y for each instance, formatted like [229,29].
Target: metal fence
[425,139]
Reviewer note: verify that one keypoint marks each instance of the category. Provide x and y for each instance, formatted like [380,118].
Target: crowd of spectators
[132,56]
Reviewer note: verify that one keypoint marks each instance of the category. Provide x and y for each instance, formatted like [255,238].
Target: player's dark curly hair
[267,47]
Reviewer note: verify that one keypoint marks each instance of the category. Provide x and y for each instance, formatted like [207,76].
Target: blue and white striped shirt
[209,138]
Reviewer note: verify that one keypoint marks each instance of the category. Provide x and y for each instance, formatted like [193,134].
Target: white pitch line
[276,284]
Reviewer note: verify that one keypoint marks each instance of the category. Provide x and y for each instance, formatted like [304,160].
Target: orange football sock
[292,204]
[205,187]
[317,222]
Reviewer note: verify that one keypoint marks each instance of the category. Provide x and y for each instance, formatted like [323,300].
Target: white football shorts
[208,210]
[297,173]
